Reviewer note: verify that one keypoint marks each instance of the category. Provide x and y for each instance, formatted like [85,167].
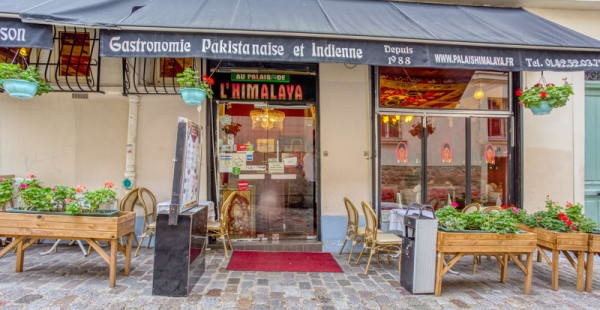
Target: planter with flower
[562,230]
[542,98]
[48,213]
[6,192]
[194,89]
[492,233]
[22,83]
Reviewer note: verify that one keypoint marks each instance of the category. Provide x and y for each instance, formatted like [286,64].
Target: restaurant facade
[299,121]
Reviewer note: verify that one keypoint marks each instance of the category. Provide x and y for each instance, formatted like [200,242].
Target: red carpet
[283,261]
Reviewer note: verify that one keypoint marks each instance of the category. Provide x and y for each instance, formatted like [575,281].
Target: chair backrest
[127,203]
[148,201]
[352,215]
[224,216]
[472,207]
[371,222]
[493,208]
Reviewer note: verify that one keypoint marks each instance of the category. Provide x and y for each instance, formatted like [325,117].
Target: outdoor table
[27,229]
[503,247]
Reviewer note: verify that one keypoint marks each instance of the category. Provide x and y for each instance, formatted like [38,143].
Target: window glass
[442,89]
[75,54]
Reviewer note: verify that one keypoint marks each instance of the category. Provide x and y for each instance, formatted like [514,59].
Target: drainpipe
[134,102]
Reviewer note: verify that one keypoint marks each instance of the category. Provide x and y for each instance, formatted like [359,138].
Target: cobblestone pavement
[67,280]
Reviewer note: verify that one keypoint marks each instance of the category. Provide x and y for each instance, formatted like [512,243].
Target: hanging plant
[543,97]
[193,88]
[22,83]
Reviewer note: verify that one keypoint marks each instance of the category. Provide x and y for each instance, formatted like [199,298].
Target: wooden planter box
[568,243]
[26,229]
[593,249]
[502,246]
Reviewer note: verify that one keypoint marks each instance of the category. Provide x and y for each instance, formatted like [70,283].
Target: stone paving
[67,280]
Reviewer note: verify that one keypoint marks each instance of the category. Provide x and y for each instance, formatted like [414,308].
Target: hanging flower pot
[543,109]
[20,89]
[193,89]
[542,98]
[22,83]
[193,96]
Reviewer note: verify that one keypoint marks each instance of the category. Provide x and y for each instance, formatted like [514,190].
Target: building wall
[345,99]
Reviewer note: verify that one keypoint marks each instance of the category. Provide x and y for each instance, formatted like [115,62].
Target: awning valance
[350,31]
[14,33]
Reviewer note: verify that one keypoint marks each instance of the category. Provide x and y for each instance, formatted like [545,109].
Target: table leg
[589,268]
[128,254]
[504,268]
[20,254]
[438,274]
[580,273]
[555,257]
[113,263]
[529,274]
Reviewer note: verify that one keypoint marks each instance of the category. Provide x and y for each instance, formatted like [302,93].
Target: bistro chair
[148,201]
[376,241]
[353,232]
[127,203]
[472,207]
[220,229]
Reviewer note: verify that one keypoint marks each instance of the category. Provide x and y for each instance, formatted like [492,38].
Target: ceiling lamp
[478,94]
[267,118]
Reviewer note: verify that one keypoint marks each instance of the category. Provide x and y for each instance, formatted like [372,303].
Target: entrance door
[592,151]
[266,159]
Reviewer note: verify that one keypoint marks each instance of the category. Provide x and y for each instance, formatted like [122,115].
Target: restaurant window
[75,54]
[466,153]
[15,55]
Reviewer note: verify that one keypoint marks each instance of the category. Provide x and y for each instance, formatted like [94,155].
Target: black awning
[14,33]
[350,31]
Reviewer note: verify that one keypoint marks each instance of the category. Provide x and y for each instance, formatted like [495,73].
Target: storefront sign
[14,33]
[264,48]
[264,87]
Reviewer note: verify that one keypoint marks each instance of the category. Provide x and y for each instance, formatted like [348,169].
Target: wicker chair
[376,241]
[220,229]
[472,207]
[148,201]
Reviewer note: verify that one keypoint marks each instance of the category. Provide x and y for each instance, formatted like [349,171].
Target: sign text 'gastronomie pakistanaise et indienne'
[291,49]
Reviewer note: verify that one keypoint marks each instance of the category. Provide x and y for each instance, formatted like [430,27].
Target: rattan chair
[148,201]
[220,229]
[376,241]
[354,232]
[472,207]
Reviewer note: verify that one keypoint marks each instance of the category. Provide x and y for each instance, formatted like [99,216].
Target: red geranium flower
[210,81]
[537,85]
[519,92]
[539,219]
[574,228]
[543,94]
[569,223]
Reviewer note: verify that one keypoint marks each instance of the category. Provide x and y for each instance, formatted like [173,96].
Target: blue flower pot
[193,96]
[20,88]
[544,108]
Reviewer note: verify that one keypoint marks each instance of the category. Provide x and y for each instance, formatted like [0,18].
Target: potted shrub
[22,83]
[194,89]
[6,191]
[542,98]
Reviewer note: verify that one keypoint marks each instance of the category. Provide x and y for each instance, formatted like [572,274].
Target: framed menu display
[186,174]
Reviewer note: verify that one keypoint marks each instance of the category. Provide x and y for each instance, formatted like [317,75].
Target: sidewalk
[49,282]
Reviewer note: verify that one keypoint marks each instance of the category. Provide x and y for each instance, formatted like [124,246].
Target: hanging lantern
[267,118]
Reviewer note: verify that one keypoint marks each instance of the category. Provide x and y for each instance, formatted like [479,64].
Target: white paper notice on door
[290,162]
[276,167]
[239,160]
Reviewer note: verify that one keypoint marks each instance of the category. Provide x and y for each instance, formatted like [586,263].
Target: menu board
[186,174]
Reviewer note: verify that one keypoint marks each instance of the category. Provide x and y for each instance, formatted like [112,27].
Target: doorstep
[273,246]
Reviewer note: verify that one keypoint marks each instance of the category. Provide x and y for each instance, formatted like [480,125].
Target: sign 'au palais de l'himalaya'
[264,87]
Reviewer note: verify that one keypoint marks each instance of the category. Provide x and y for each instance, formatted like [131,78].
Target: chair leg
[344,245]
[151,234]
[229,241]
[351,250]
[137,250]
[361,252]
[369,262]
[225,245]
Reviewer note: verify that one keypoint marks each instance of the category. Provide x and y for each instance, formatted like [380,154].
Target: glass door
[266,159]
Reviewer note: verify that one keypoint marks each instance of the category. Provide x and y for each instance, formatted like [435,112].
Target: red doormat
[283,261]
